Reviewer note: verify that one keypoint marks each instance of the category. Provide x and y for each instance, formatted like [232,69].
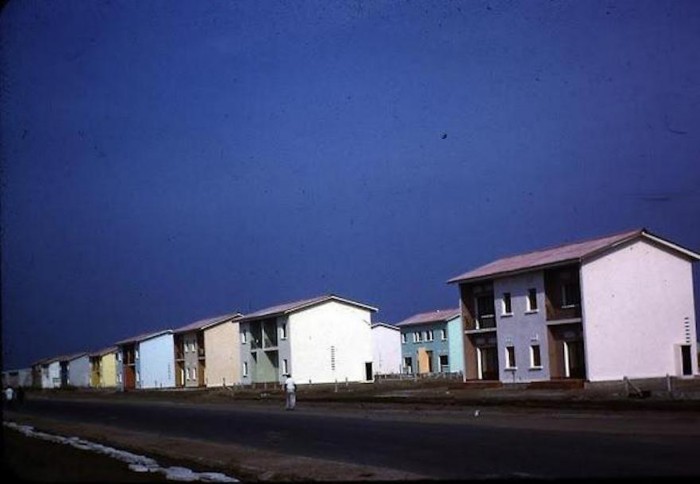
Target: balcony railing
[486,321]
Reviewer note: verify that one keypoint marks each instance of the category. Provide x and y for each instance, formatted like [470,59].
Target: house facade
[603,309]
[146,361]
[426,342]
[211,342]
[103,368]
[386,343]
[319,340]
[21,377]
[77,370]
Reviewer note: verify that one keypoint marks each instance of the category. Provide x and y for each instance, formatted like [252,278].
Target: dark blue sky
[168,161]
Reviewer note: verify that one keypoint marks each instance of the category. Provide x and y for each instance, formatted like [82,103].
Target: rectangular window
[532,299]
[403,337]
[429,335]
[136,354]
[535,358]
[244,337]
[245,368]
[119,377]
[119,356]
[507,308]
[416,337]
[570,295]
[443,334]
[285,367]
[510,357]
[283,331]
[138,377]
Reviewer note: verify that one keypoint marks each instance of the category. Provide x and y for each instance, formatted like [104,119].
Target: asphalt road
[454,450]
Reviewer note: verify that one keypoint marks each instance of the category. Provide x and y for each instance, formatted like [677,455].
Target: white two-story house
[603,309]
[319,340]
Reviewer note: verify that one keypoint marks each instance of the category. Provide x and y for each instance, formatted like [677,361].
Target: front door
[576,360]
[489,363]
[686,360]
[368,371]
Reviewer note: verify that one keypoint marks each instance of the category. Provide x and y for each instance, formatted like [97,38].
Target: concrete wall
[638,308]
[386,352]
[455,343]
[258,361]
[156,363]
[330,329]
[79,372]
[222,343]
[522,328]
[53,379]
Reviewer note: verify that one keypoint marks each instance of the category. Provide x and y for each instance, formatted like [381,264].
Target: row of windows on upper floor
[282,331]
[420,336]
[485,307]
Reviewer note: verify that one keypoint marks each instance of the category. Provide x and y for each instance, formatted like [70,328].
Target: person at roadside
[9,396]
[290,389]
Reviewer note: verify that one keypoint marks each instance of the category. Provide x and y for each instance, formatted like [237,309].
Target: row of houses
[603,309]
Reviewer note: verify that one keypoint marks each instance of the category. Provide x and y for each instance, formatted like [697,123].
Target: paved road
[441,450]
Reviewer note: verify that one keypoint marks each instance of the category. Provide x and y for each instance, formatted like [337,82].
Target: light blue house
[432,342]
[146,361]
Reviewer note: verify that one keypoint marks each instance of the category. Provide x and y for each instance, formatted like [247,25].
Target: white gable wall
[312,333]
[386,350]
[637,308]
[156,362]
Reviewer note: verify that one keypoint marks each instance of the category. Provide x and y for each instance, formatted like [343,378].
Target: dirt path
[241,462]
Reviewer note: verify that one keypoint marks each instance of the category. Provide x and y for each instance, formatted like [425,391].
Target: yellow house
[207,352]
[103,368]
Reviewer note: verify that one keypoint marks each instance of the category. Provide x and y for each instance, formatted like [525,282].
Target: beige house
[207,352]
[103,368]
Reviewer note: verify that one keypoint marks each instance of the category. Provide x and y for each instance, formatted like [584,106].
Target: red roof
[574,252]
[431,317]
[290,307]
[204,323]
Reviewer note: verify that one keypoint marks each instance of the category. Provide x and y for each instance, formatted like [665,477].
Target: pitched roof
[103,351]
[431,317]
[68,357]
[143,337]
[206,323]
[574,252]
[291,307]
[385,325]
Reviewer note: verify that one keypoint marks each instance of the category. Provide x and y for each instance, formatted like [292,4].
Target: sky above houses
[164,162]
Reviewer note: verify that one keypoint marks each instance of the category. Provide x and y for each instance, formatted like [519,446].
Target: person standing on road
[9,396]
[290,388]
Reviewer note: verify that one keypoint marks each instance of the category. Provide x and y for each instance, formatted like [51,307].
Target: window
[119,356]
[138,377]
[283,331]
[403,337]
[485,312]
[182,374]
[570,295]
[285,367]
[119,378]
[244,337]
[429,335]
[425,336]
[416,337]
[535,358]
[444,364]
[510,357]
[245,368]
[532,299]
[507,307]
[136,354]
[443,334]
